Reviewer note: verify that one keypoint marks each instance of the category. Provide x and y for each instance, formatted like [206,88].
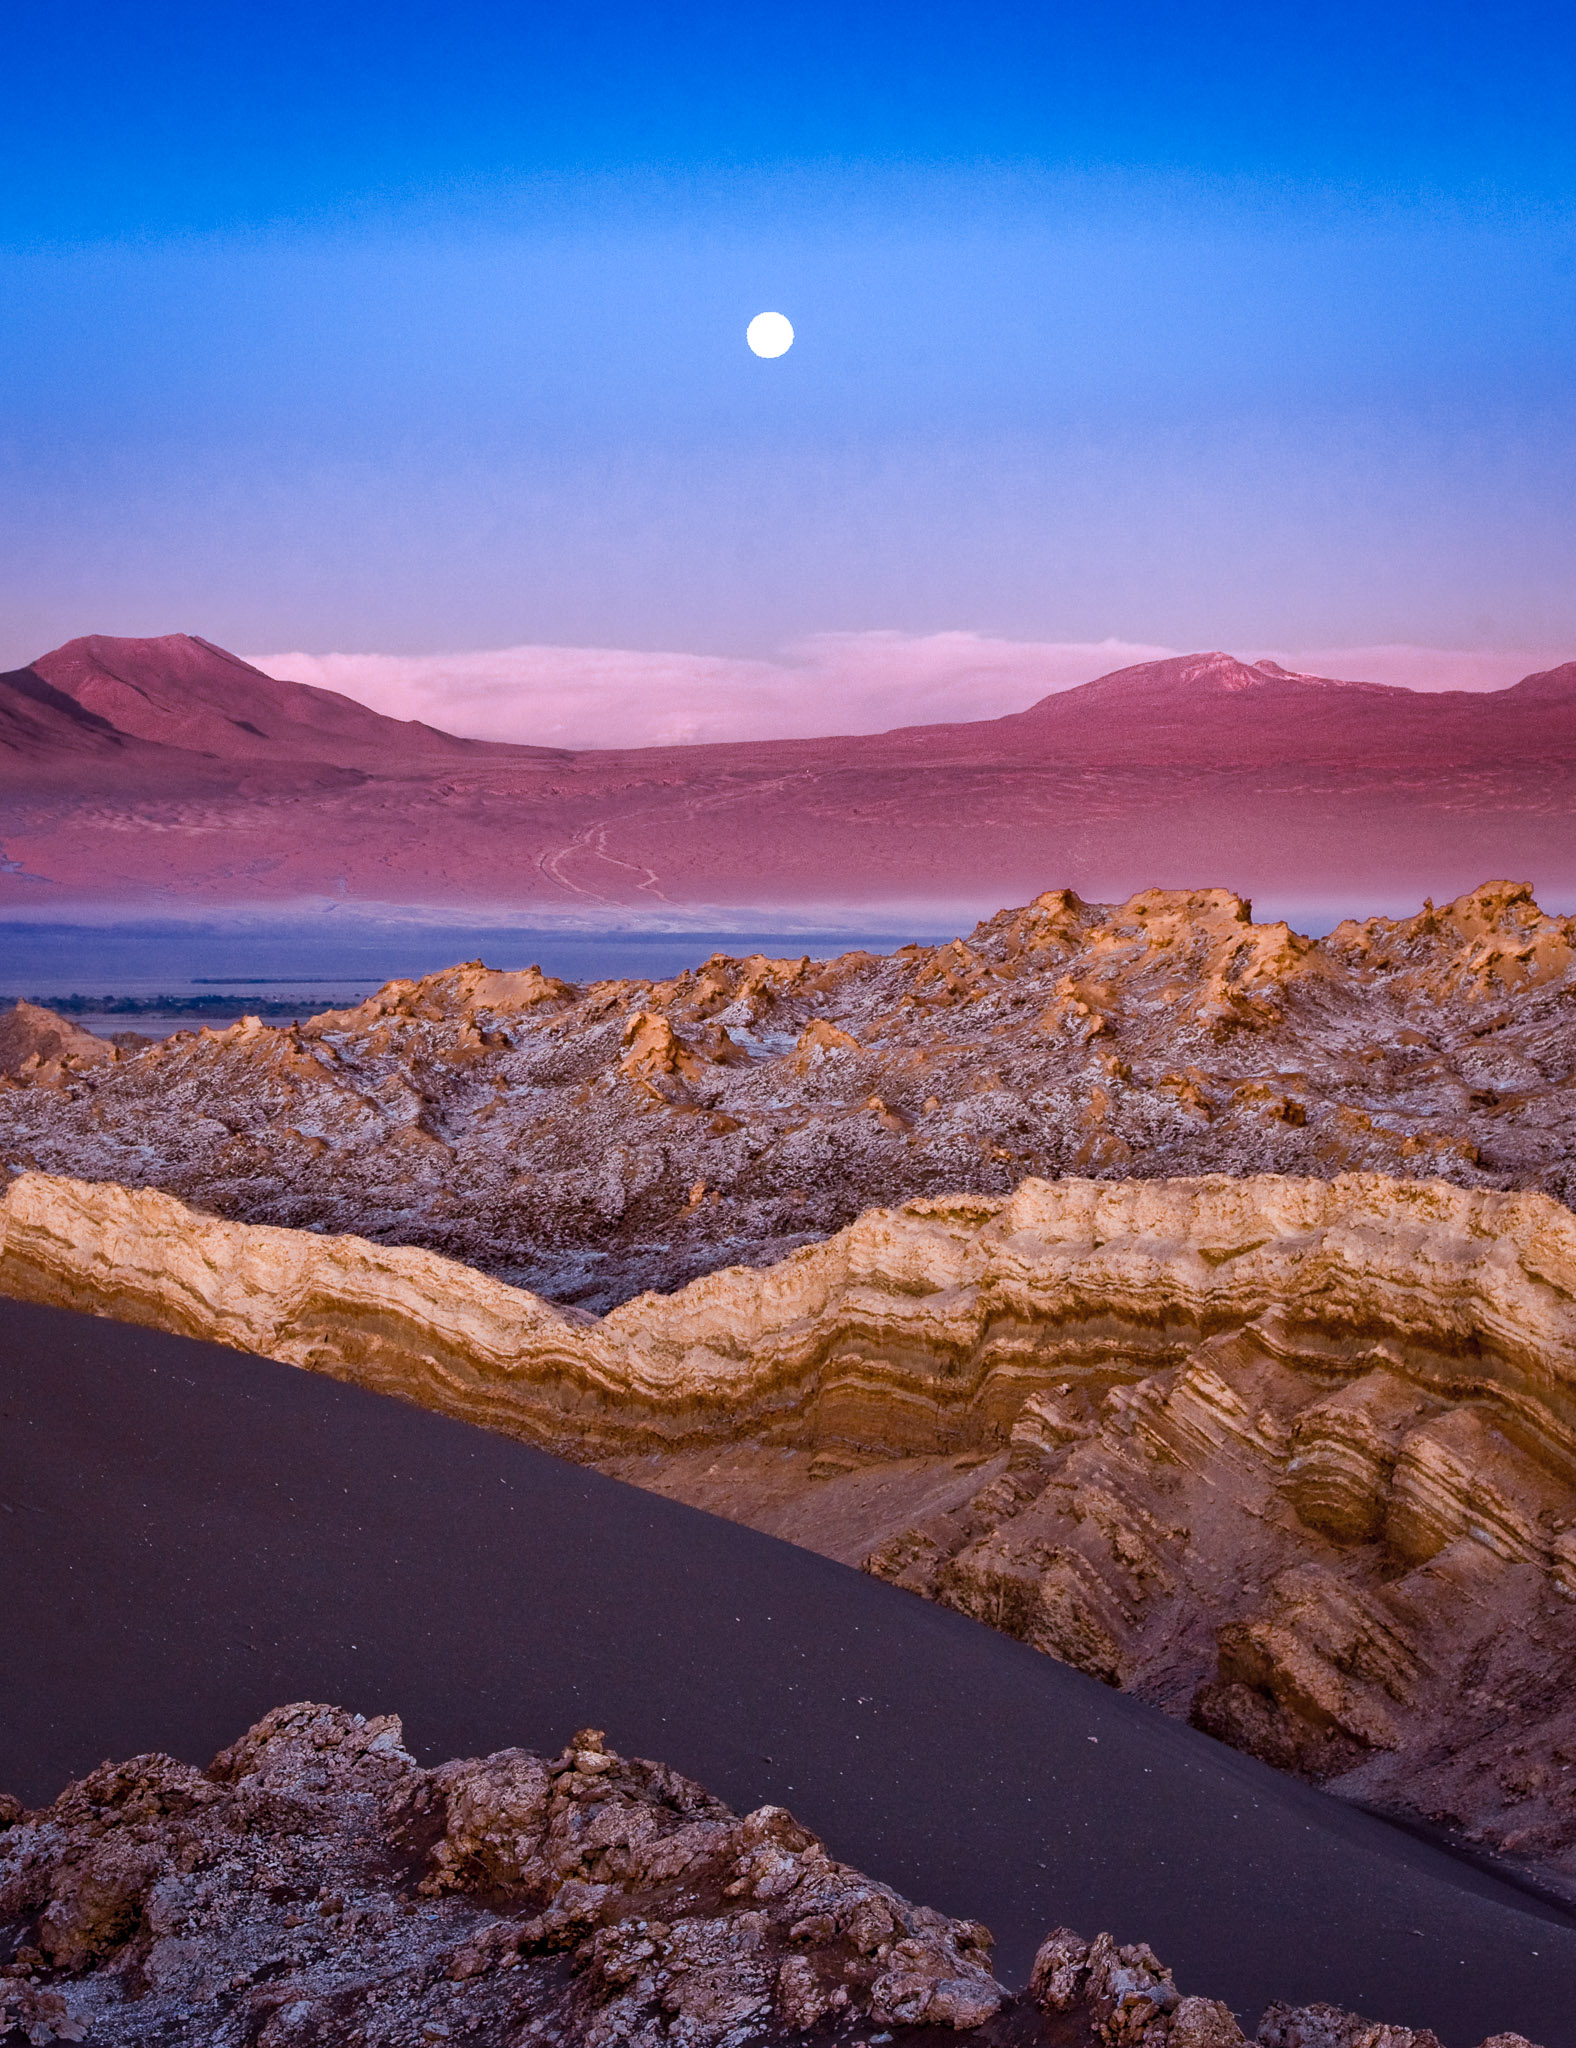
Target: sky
[418,331]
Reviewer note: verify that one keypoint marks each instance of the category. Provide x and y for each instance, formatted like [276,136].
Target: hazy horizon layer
[829,683]
[316,968]
[341,956]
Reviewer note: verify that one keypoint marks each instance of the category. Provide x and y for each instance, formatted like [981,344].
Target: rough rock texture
[316,1885]
[39,1047]
[946,1325]
[1295,1458]
[591,1142]
[1367,1584]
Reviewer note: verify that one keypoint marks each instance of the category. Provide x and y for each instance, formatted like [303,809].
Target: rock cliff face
[315,1885]
[1295,1458]
[590,1142]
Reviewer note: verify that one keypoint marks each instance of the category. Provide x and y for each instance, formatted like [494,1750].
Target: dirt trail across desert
[166,774]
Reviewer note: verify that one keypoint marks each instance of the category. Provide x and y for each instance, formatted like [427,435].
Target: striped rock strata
[920,1329]
[1295,1458]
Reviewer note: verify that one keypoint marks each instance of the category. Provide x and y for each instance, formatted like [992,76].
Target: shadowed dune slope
[1293,1459]
[192,1535]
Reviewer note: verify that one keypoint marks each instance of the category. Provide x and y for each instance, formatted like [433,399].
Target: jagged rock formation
[315,1885]
[37,1046]
[590,1142]
[1295,1458]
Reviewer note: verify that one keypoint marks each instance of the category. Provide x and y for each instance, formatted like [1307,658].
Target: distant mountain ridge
[37,720]
[1556,685]
[1212,710]
[182,691]
[1197,769]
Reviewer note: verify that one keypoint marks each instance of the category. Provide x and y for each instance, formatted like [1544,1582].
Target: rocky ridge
[315,1884]
[1296,1459]
[39,1042]
[590,1142]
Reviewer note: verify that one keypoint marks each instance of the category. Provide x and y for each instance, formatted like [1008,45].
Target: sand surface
[189,1536]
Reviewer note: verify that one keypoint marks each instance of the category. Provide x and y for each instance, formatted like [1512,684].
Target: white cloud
[831,683]
[607,696]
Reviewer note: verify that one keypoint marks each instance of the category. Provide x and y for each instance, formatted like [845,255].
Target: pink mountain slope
[183,692]
[161,772]
[1214,712]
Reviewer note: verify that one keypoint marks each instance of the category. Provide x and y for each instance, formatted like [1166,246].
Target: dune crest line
[1292,1459]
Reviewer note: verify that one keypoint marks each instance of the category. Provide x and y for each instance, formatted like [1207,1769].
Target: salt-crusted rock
[1326,2026]
[1127,1991]
[315,1885]
[553,1135]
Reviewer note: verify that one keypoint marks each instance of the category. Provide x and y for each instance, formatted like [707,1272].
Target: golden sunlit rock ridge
[1296,1458]
[557,1135]
[921,1329]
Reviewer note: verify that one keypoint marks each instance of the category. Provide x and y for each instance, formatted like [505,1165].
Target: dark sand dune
[189,1536]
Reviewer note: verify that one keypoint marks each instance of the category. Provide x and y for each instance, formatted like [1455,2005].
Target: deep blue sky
[413,327]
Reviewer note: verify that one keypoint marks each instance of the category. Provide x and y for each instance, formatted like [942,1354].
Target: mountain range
[167,773]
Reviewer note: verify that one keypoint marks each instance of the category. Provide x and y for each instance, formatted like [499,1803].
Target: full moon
[769,334]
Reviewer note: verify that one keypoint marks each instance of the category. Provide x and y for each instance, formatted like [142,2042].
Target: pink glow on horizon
[831,683]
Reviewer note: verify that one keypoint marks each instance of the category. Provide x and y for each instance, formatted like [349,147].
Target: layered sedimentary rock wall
[315,1885]
[922,1329]
[1295,1458]
[588,1142]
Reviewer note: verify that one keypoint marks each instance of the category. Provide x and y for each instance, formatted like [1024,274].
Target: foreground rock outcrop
[588,1142]
[315,1885]
[1296,1459]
